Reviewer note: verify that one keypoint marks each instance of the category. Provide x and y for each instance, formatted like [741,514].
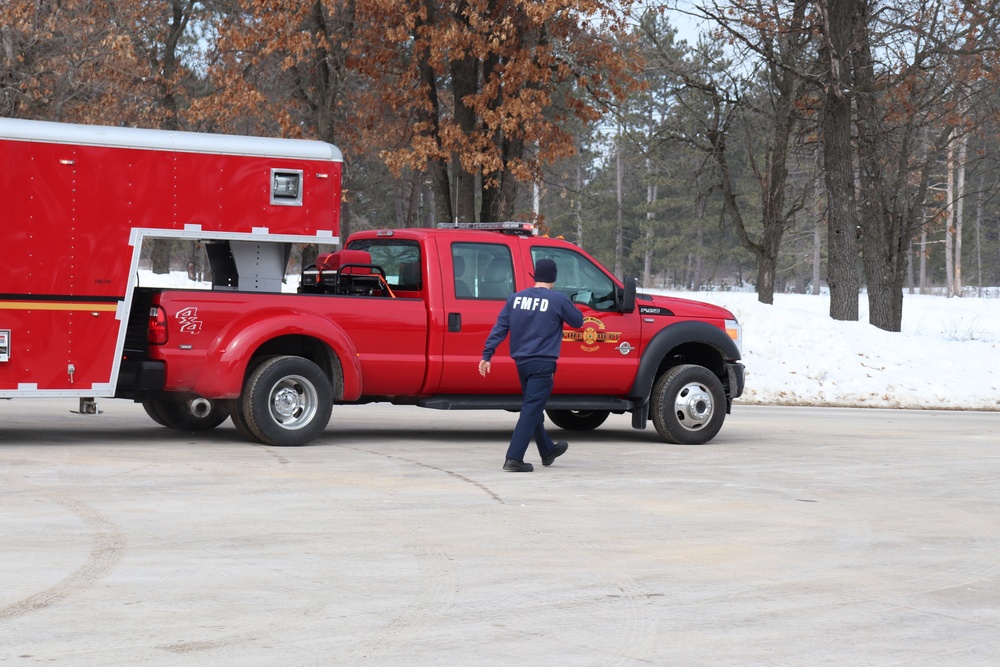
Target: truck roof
[188,142]
[478,232]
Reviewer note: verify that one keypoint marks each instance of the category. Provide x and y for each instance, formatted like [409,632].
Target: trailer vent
[286,187]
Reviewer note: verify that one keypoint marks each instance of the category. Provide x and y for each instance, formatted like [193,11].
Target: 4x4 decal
[189,321]
[592,335]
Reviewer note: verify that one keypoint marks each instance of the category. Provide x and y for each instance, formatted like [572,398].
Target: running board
[513,402]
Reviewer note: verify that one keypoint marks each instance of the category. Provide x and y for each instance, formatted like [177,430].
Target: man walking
[534,318]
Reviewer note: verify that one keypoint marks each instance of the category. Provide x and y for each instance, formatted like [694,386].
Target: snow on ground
[946,357]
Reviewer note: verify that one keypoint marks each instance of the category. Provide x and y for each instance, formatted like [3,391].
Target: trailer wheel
[578,420]
[688,405]
[185,412]
[287,401]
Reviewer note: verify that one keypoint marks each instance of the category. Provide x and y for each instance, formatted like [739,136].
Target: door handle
[454,322]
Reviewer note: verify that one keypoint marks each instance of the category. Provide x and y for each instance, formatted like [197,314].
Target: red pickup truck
[401,315]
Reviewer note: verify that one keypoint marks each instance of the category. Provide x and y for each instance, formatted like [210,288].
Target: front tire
[578,420]
[184,411]
[286,401]
[688,405]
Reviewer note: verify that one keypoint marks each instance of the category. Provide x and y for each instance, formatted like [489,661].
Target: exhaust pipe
[200,407]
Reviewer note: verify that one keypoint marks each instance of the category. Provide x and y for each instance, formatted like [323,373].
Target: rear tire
[578,420]
[286,401]
[688,405]
[176,410]
[240,422]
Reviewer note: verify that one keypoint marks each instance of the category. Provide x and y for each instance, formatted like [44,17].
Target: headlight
[735,332]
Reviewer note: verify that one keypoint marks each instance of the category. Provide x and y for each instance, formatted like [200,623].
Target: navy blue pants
[536,385]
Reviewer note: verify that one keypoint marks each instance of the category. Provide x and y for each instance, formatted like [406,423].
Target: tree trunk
[963,144]
[949,222]
[765,278]
[464,82]
[431,117]
[922,284]
[651,195]
[911,282]
[620,198]
[979,251]
[884,174]
[838,164]
[412,218]
[578,209]
[817,256]
[160,257]
[498,186]
[166,74]
[697,279]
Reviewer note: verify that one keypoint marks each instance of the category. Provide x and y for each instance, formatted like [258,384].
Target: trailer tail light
[157,326]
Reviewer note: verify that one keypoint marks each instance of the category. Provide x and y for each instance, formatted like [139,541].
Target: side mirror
[628,296]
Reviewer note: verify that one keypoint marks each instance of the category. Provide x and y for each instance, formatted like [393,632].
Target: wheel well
[309,348]
[693,353]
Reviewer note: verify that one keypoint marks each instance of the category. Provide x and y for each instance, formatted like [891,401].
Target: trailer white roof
[166,140]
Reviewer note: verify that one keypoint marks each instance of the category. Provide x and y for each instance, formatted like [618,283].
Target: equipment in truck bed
[345,272]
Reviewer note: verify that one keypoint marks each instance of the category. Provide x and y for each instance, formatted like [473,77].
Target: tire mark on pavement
[107,551]
[454,474]
[183,647]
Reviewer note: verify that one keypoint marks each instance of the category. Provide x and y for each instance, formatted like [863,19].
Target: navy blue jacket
[534,317]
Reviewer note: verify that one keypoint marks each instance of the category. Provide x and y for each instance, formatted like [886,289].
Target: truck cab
[628,342]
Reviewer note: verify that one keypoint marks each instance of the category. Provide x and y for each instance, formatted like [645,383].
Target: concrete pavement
[797,537]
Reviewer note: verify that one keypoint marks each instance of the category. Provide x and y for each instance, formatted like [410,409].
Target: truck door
[393,358]
[477,283]
[602,357]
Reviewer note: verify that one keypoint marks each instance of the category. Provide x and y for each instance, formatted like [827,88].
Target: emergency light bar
[521,228]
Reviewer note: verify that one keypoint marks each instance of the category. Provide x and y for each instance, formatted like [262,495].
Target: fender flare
[687,332]
[231,350]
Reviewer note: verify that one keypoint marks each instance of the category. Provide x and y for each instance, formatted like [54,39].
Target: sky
[946,357]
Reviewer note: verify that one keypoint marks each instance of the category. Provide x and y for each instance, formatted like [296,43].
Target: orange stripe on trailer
[50,305]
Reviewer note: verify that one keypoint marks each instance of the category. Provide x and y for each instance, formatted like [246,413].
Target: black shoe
[513,465]
[559,449]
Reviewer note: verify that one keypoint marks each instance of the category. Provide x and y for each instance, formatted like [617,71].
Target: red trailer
[78,203]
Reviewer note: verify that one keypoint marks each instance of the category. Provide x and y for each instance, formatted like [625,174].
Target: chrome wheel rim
[694,406]
[294,401]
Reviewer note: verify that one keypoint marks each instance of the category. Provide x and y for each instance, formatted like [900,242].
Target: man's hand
[484,367]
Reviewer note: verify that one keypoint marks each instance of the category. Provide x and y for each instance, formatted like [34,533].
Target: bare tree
[763,93]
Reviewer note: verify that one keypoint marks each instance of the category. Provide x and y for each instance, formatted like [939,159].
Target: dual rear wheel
[286,402]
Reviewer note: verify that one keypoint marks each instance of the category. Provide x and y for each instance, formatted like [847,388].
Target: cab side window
[579,278]
[482,271]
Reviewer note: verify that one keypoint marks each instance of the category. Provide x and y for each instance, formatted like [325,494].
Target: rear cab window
[401,261]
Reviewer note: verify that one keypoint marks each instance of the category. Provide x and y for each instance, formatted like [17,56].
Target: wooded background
[845,144]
